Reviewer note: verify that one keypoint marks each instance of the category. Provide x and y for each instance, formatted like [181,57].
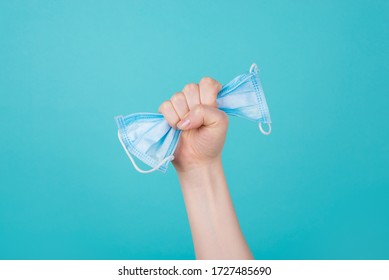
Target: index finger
[209,88]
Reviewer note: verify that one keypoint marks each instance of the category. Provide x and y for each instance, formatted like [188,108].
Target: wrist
[195,169]
[208,175]
[192,168]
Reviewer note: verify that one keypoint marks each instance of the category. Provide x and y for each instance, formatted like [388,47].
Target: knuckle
[210,82]
[179,96]
[190,87]
[206,80]
[164,106]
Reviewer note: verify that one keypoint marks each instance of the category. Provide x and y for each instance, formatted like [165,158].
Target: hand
[194,110]
[200,172]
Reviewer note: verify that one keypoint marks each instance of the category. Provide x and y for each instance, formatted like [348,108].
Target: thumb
[202,115]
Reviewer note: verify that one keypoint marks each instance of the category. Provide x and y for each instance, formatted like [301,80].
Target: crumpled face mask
[149,137]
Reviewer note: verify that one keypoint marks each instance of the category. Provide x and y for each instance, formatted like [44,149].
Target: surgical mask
[149,137]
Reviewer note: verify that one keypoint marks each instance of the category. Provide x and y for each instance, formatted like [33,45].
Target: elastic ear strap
[134,163]
[262,130]
[253,68]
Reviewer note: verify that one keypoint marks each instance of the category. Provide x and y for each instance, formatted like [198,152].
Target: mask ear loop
[253,68]
[134,163]
[262,130]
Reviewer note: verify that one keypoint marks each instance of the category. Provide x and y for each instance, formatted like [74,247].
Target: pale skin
[214,225]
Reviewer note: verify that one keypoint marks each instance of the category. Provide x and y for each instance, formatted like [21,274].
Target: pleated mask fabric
[149,137]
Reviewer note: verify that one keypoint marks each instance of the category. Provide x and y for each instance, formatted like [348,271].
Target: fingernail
[183,124]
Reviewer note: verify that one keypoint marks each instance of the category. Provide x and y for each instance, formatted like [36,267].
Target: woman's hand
[215,229]
[194,110]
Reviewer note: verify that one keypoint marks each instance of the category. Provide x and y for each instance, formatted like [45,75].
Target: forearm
[215,228]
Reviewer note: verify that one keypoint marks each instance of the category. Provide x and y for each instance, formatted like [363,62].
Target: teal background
[317,188]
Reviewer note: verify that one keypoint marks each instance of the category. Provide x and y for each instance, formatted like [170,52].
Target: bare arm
[215,229]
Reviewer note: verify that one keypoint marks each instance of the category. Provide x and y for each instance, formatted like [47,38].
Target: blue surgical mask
[149,137]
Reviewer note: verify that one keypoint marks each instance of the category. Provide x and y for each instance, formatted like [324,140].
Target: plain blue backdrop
[316,188]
